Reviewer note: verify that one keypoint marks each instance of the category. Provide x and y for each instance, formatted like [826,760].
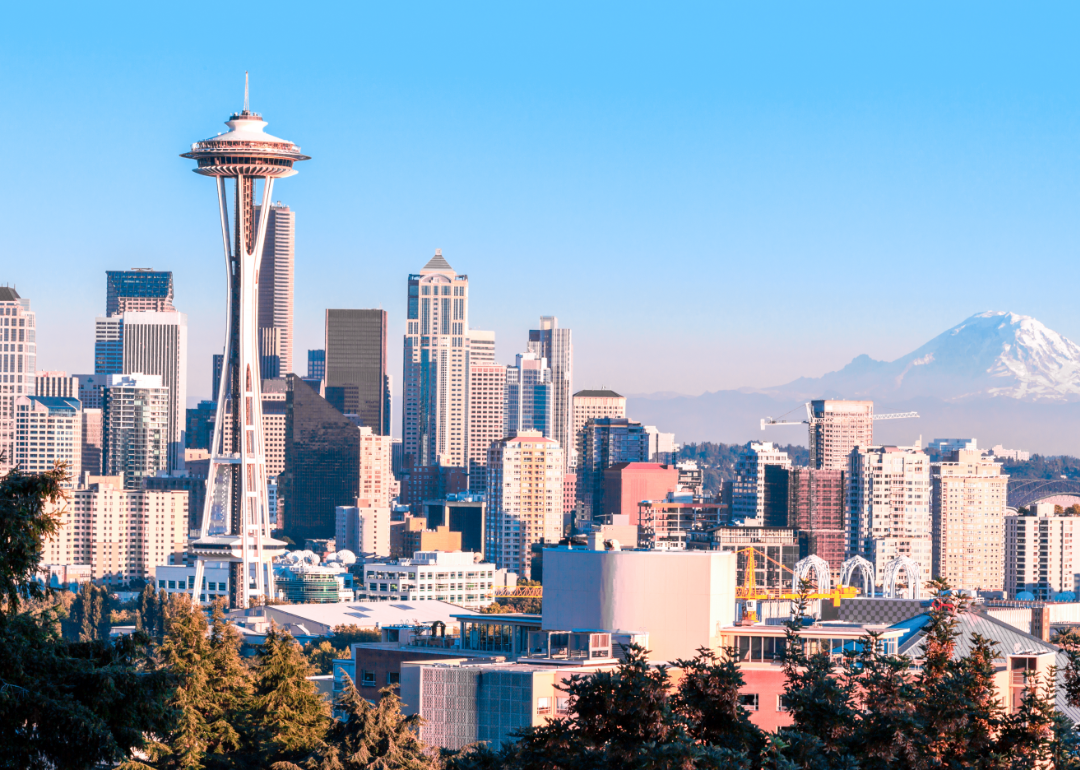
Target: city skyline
[877,175]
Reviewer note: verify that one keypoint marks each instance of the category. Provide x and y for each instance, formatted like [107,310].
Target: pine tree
[886,706]
[289,718]
[707,699]
[371,737]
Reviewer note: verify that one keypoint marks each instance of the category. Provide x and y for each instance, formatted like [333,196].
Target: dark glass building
[200,425]
[462,513]
[356,356]
[316,364]
[605,442]
[322,463]
[138,289]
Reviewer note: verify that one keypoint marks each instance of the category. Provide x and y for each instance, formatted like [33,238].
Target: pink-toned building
[627,484]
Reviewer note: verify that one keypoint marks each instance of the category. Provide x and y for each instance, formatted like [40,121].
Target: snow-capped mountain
[992,354]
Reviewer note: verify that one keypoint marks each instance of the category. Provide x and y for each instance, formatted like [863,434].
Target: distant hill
[999,377]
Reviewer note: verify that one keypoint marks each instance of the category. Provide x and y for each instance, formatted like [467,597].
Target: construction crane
[521,592]
[749,591]
[810,420]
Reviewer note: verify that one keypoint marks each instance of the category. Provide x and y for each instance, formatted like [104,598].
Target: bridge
[1025,492]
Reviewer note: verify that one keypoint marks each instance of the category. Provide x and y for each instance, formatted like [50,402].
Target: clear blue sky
[710,195]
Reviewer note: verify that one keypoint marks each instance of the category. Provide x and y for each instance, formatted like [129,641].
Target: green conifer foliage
[288,715]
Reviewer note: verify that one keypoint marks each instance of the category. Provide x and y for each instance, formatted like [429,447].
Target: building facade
[1039,555]
[837,427]
[18,363]
[816,512]
[968,496]
[316,364]
[435,377]
[486,417]
[363,529]
[606,441]
[92,436]
[55,385]
[135,427]
[450,577]
[555,344]
[888,506]
[627,484]
[529,397]
[594,404]
[355,360]
[121,533]
[755,493]
[524,499]
[48,431]
[140,289]
[275,310]
[377,482]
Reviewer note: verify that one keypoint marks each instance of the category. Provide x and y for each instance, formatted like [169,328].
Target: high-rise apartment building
[90,389]
[363,529]
[606,441]
[135,427]
[18,363]
[530,401]
[275,311]
[356,362]
[968,514]
[92,434]
[433,407]
[754,495]
[123,534]
[139,289]
[316,364]
[1041,555]
[377,483]
[888,506]
[556,345]
[590,404]
[149,342]
[524,499]
[56,385]
[274,396]
[48,431]
[486,418]
[816,512]
[837,427]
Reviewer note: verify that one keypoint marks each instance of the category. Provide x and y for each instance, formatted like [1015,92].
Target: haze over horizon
[705,212]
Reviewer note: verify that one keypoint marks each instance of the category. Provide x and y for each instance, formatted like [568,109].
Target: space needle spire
[235,526]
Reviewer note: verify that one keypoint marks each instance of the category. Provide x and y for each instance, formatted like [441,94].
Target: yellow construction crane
[521,592]
[750,591]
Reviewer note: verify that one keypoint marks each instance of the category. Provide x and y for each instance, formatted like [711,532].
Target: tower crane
[767,422]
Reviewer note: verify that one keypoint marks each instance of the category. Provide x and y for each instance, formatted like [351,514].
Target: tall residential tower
[276,291]
[556,345]
[18,362]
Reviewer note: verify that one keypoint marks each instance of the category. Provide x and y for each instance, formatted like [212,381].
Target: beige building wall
[1039,555]
[487,403]
[377,483]
[968,514]
[524,499]
[681,599]
[594,404]
[122,534]
[837,428]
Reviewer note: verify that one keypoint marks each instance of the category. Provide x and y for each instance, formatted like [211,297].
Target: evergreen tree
[322,655]
[370,737]
[289,718]
[150,615]
[885,706]
[707,699]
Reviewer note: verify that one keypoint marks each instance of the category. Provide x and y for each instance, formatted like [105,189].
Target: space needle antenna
[245,91]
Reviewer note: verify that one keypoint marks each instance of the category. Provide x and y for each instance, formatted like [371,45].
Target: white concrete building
[524,499]
[121,533]
[1040,554]
[454,577]
[18,363]
[180,579]
[888,506]
[48,431]
[362,529]
[681,599]
[748,490]
[135,427]
[968,515]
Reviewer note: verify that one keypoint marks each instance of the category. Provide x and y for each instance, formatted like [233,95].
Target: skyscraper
[524,499]
[135,430]
[589,404]
[92,430]
[138,289]
[754,493]
[316,364]
[486,421]
[237,501]
[837,427]
[556,345]
[529,397]
[481,346]
[18,362]
[606,441]
[433,407]
[276,288]
[816,510]
[56,385]
[969,507]
[356,358]
[888,506]
[48,430]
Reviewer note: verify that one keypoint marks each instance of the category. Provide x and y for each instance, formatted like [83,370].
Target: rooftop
[370,614]
[438,262]
[8,294]
[597,394]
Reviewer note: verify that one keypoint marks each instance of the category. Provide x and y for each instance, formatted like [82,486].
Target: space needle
[235,525]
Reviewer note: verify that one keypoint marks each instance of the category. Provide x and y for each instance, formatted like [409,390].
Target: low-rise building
[433,575]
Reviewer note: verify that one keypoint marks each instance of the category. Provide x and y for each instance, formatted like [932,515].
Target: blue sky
[711,196]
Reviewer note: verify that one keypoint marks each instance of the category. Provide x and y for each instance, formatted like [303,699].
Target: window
[749,701]
[393,677]
[562,705]
[367,678]
[543,705]
[782,703]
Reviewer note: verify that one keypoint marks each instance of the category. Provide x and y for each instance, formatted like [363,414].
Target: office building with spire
[435,377]
[18,363]
[275,311]
[555,345]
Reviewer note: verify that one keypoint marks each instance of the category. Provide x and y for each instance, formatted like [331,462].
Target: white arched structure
[819,567]
[853,568]
[914,576]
